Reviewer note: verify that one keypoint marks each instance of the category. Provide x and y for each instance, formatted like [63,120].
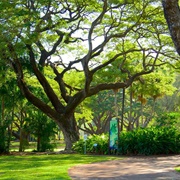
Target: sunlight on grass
[14,147]
[177,168]
[34,167]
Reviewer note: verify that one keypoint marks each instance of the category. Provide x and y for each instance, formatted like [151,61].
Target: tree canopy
[119,39]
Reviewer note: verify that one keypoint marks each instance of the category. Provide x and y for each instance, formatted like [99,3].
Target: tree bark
[130,125]
[38,143]
[122,111]
[70,131]
[172,16]
[23,143]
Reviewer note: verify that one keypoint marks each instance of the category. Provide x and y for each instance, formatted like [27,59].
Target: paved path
[131,168]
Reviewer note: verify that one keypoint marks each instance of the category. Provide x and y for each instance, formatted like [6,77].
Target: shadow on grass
[43,166]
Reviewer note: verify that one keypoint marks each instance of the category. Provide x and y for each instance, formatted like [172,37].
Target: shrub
[4,140]
[150,141]
[79,146]
[142,141]
[97,144]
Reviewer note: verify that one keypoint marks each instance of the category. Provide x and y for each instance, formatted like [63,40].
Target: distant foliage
[150,141]
[169,120]
[3,147]
[4,137]
[96,144]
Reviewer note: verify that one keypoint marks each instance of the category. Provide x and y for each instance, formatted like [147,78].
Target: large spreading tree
[83,38]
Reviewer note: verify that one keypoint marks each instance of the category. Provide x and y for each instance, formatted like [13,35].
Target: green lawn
[45,167]
[177,169]
[33,145]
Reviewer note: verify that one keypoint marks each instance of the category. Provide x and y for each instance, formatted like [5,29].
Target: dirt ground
[130,168]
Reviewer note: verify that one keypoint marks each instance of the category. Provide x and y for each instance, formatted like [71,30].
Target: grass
[177,168]
[46,167]
[33,146]
[15,146]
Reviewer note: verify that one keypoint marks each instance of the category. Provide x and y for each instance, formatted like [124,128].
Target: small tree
[96,112]
[7,86]
[43,129]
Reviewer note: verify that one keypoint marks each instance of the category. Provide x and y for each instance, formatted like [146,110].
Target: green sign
[113,134]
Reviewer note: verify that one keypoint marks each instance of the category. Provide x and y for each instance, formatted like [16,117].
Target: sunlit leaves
[117,2]
[155,85]
[110,41]
[75,80]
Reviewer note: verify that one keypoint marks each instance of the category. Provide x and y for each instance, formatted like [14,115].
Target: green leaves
[96,144]
[150,141]
[156,84]
[97,45]
[118,2]
[168,120]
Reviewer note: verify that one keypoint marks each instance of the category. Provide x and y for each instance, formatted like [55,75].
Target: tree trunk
[38,143]
[172,15]
[2,112]
[69,130]
[2,128]
[122,111]
[130,125]
[23,140]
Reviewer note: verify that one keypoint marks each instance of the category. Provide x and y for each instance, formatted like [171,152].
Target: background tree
[7,91]
[143,95]
[101,108]
[20,125]
[42,128]
[82,36]
[141,103]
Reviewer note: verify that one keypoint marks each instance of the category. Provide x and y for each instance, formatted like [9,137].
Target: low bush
[96,144]
[142,141]
[4,139]
[150,141]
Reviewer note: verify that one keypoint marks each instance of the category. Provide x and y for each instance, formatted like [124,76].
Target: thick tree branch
[59,79]
[27,93]
[113,59]
[86,59]
[45,54]
[43,81]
